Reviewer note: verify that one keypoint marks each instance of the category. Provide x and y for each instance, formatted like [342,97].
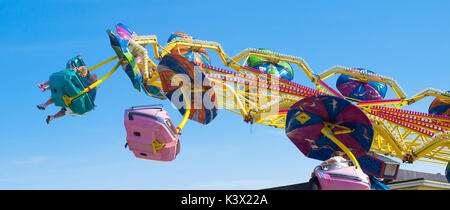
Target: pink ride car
[348,178]
[151,134]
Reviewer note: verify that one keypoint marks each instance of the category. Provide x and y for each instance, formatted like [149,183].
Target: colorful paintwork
[126,33]
[306,118]
[203,104]
[350,86]
[279,69]
[197,56]
[129,66]
[439,107]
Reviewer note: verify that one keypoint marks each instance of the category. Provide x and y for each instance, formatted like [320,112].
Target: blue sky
[405,40]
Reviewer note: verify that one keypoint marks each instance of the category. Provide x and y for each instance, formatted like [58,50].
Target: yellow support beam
[429,92]
[380,130]
[102,63]
[441,141]
[68,100]
[186,94]
[378,78]
[275,57]
[329,133]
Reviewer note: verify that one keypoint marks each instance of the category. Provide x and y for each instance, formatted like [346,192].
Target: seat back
[70,83]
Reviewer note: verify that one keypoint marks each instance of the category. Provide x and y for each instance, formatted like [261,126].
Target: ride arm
[68,100]
[276,57]
[188,110]
[376,78]
[429,92]
[197,44]
[327,131]
[102,63]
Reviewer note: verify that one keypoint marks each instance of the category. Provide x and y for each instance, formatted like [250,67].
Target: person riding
[337,160]
[83,72]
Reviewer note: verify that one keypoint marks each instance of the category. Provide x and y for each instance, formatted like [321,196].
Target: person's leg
[43,106]
[49,101]
[59,114]
[314,182]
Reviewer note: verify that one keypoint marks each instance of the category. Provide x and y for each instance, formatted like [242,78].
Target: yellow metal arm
[68,100]
[329,133]
[185,91]
[276,57]
[442,140]
[395,145]
[102,63]
[183,122]
[376,78]
[429,92]
[145,40]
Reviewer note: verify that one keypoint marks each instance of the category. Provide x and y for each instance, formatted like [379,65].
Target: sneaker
[41,106]
[49,118]
[42,87]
